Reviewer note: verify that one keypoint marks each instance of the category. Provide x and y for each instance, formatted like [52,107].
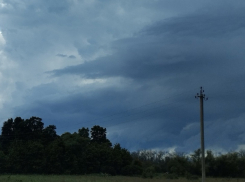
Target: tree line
[27,147]
[231,164]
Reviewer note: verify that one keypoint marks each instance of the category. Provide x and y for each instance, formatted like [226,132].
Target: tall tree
[49,134]
[84,132]
[98,135]
[7,134]
[210,163]
[196,162]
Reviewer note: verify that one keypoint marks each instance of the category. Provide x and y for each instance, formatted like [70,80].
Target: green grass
[100,178]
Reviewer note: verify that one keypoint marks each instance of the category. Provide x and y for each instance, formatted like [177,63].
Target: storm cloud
[132,67]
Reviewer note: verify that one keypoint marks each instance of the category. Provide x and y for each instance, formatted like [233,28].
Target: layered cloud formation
[132,67]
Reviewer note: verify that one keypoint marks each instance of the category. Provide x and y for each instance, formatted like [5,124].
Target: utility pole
[201,97]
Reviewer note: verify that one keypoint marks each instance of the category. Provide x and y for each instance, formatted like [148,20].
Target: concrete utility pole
[201,97]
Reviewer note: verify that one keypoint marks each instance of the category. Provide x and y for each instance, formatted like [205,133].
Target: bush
[191,177]
[148,172]
[131,170]
[171,176]
[108,170]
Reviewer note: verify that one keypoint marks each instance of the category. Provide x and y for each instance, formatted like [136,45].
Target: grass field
[74,178]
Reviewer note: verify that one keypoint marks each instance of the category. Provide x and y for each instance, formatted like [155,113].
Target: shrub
[172,176]
[148,172]
[191,177]
[131,170]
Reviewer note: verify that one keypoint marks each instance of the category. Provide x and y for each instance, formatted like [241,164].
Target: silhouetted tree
[210,163]
[196,162]
[49,134]
[98,135]
[84,132]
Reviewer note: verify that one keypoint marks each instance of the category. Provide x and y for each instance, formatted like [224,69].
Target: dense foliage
[231,164]
[27,147]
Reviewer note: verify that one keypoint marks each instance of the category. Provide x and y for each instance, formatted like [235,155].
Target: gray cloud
[140,65]
[182,53]
[61,55]
[72,57]
[177,45]
[64,56]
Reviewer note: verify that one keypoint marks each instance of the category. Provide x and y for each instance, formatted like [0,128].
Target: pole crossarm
[201,95]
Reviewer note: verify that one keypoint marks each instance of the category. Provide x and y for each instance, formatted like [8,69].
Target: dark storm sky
[133,67]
